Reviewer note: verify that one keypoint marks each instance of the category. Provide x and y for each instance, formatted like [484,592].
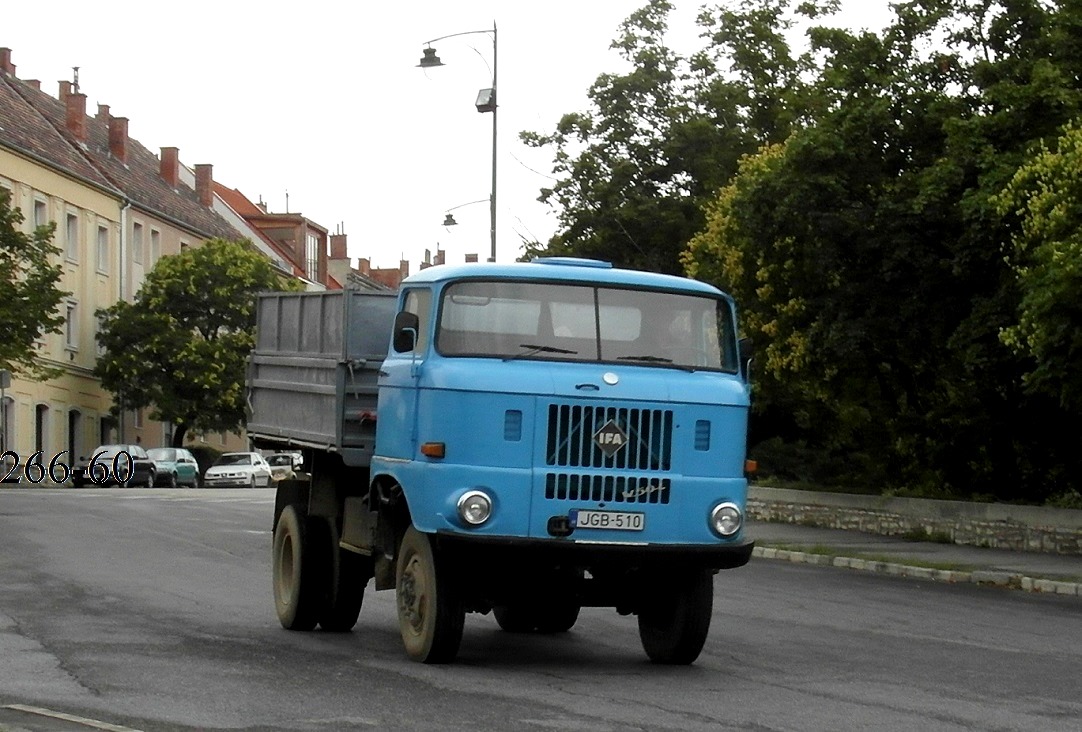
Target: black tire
[300,568]
[559,618]
[151,478]
[515,618]
[430,610]
[251,483]
[555,617]
[674,623]
[172,481]
[351,575]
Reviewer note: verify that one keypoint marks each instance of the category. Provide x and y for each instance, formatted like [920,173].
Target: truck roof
[561,269]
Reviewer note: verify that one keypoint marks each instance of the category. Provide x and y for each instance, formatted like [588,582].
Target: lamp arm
[470,203]
[463,33]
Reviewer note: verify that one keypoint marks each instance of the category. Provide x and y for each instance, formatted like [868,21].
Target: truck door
[396,425]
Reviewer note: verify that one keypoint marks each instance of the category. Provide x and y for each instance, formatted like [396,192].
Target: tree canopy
[895,212]
[181,347]
[30,295]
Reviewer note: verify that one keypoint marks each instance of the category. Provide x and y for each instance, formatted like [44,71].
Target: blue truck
[525,439]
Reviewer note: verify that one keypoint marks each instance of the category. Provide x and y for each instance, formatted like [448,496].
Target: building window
[71,325]
[137,243]
[103,249]
[137,419]
[7,424]
[155,247]
[99,325]
[311,257]
[41,213]
[71,241]
[41,426]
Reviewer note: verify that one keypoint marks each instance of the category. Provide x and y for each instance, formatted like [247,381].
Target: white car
[238,470]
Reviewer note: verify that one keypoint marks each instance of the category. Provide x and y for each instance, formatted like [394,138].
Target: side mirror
[405,332]
[746,352]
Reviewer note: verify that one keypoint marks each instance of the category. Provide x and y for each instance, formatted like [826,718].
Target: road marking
[92,723]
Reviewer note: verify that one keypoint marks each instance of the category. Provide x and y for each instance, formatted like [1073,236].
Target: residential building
[118,208]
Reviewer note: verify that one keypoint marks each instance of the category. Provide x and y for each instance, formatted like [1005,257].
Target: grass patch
[829,551]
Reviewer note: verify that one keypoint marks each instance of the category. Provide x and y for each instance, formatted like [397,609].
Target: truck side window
[419,302]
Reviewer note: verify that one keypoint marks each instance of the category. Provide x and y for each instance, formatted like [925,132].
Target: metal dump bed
[312,377]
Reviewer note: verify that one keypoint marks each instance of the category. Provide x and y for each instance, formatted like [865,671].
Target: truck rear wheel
[519,618]
[515,618]
[558,618]
[674,623]
[300,569]
[351,575]
[430,610]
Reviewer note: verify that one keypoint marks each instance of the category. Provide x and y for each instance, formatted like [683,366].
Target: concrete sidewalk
[1030,571]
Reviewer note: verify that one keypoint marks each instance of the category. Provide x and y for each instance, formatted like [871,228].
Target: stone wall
[1025,528]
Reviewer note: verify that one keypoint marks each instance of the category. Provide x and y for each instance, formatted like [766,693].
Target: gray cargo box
[312,377]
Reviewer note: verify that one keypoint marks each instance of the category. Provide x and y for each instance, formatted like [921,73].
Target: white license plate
[619,520]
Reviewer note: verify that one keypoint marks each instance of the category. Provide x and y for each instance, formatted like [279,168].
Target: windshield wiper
[658,359]
[534,348]
[649,359]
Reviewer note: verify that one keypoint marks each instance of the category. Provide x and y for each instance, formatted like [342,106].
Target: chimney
[118,138]
[338,246]
[76,117]
[440,258]
[6,67]
[65,89]
[204,183]
[103,111]
[404,267]
[471,259]
[170,166]
[33,84]
[364,266]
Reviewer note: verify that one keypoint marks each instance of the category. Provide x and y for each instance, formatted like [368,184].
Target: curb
[979,577]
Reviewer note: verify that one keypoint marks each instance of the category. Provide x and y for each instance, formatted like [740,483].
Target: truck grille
[606,488]
[647,437]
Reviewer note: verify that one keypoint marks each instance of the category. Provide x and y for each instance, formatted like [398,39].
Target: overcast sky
[322,100]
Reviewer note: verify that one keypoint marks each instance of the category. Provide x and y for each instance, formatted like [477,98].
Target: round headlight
[474,507]
[726,519]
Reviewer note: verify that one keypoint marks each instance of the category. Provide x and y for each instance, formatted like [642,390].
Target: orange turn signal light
[433,449]
[751,467]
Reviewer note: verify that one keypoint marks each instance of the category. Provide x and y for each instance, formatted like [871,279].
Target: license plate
[619,520]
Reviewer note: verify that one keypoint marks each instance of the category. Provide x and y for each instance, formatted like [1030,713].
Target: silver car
[238,470]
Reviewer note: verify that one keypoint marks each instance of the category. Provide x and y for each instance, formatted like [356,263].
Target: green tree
[1046,257]
[634,170]
[181,347]
[29,294]
[868,251]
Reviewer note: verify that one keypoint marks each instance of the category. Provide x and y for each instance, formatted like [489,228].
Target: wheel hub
[411,595]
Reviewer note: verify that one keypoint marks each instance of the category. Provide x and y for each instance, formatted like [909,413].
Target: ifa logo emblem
[610,438]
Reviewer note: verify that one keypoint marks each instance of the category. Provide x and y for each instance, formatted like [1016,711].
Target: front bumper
[482,549]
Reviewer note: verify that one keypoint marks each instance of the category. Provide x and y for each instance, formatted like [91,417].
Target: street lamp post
[486,102]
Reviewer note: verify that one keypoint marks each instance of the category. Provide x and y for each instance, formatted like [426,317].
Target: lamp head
[430,59]
[449,220]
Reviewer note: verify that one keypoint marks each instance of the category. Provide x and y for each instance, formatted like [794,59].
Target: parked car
[115,465]
[238,470]
[175,466]
[281,465]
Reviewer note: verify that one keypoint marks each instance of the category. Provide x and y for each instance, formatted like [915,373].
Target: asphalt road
[151,610]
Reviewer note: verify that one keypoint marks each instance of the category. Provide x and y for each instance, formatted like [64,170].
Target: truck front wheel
[430,610]
[674,622]
[300,569]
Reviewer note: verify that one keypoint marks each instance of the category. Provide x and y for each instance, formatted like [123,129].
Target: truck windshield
[562,322]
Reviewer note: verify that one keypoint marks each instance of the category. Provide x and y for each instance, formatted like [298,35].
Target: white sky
[323,99]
